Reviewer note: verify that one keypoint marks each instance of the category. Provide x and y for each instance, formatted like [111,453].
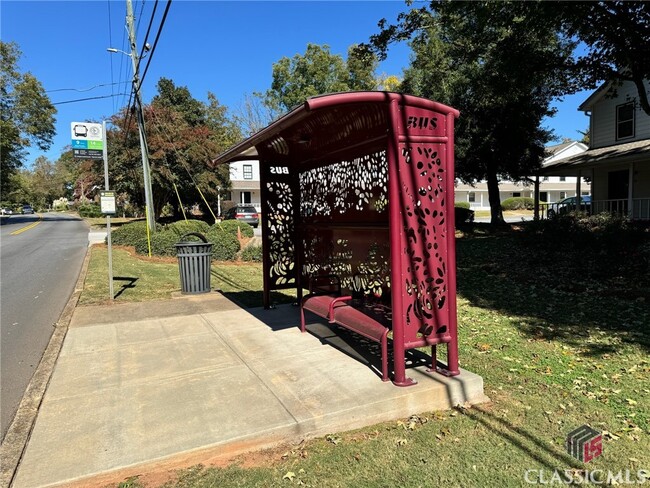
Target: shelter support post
[395,225]
[452,345]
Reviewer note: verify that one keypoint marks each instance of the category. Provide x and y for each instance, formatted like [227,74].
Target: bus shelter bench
[339,311]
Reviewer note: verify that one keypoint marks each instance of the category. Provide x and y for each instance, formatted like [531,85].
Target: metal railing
[640,209]
[620,206]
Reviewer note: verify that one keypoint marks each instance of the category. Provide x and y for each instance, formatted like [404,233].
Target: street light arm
[113,50]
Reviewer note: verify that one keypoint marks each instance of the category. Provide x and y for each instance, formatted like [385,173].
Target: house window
[248,171]
[625,121]
[245,197]
[471,197]
[562,195]
[545,178]
[562,178]
[516,194]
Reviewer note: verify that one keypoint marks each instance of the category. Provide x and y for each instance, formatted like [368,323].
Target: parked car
[27,209]
[7,211]
[569,205]
[244,213]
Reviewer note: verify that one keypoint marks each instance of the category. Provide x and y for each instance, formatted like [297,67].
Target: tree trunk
[493,195]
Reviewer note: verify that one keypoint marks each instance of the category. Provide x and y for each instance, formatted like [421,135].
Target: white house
[245,180]
[618,158]
[552,188]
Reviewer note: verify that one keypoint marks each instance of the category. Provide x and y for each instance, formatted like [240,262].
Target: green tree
[617,37]
[26,115]
[184,135]
[316,72]
[46,183]
[180,100]
[501,64]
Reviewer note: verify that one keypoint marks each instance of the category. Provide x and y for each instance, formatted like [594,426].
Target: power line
[155,43]
[122,61]
[90,98]
[110,42]
[137,28]
[87,89]
[146,37]
[162,22]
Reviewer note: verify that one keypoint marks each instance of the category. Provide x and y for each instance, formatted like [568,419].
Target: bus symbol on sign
[80,130]
[86,130]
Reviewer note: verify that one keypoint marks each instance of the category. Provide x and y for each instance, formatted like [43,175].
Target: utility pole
[148,198]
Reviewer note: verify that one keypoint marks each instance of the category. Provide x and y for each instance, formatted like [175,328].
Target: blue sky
[227,48]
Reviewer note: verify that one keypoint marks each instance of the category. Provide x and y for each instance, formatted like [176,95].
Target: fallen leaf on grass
[401,442]
[333,439]
[610,436]
[289,476]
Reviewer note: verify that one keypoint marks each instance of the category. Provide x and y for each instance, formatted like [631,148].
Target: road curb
[15,442]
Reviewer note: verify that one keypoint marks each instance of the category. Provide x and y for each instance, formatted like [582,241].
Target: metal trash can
[194,264]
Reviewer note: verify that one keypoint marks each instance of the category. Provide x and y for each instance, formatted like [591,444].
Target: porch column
[536,197]
[578,183]
[630,192]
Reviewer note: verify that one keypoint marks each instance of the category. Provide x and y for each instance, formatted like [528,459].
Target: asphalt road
[40,260]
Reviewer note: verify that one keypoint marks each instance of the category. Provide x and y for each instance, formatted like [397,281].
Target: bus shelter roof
[340,123]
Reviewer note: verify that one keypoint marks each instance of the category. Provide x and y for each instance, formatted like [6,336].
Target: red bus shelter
[359,186]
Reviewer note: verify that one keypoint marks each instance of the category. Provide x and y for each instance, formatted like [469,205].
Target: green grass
[137,278]
[506,213]
[553,357]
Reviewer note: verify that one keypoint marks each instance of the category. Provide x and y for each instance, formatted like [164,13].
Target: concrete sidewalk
[199,377]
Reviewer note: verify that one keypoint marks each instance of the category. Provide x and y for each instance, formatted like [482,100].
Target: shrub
[162,244]
[463,215]
[461,205]
[252,253]
[601,246]
[225,246]
[230,226]
[90,210]
[518,203]
[183,227]
[129,234]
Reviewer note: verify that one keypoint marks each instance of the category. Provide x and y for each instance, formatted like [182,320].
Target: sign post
[89,142]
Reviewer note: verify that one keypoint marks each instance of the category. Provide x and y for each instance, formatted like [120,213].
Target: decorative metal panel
[355,191]
[280,226]
[344,215]
[424,239]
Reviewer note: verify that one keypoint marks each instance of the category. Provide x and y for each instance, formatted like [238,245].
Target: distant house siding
[245,180]
[603,118]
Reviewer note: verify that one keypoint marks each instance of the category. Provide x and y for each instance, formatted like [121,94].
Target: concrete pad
[132,392]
